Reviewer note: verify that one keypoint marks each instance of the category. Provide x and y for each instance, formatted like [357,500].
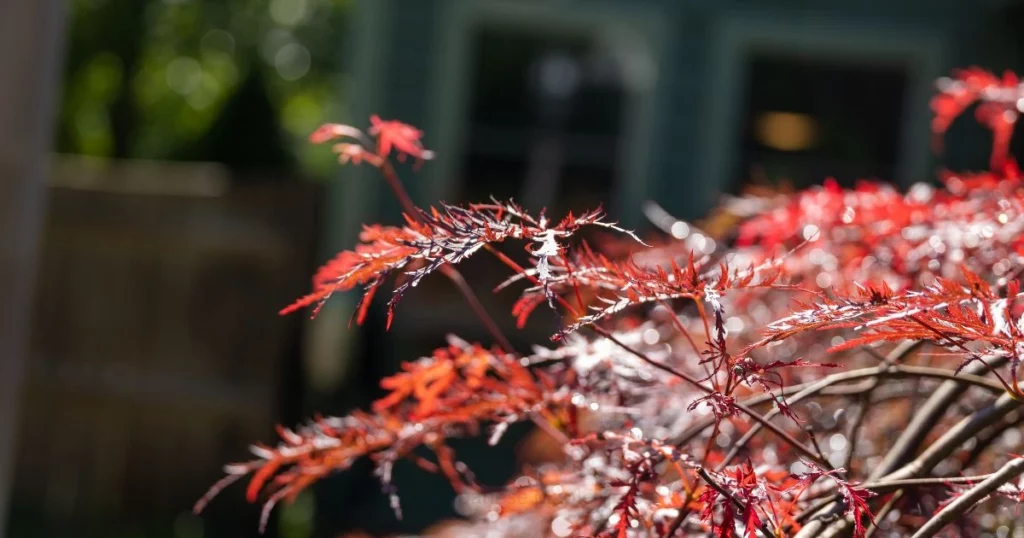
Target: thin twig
[821,385]
[863,404]
[937,451]
[987,440]
[882,513]
[447,270]
[890,485]
[864,401]
[924,420]
[961,505]
[789,439]
[876,372]
[955,437]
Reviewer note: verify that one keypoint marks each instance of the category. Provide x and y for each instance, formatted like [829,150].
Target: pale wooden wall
[157,352]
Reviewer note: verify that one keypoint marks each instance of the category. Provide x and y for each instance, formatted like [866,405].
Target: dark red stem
[452,273]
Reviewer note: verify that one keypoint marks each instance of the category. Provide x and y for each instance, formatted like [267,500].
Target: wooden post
[31,48]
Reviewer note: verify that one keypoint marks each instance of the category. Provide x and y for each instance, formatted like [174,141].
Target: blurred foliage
[236,81]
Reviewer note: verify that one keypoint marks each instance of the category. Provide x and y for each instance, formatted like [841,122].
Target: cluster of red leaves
[688,344]
[431,240]
[453,392]
[390,135]
[748,501]
[906,239]
[855,497]
[970,319]
[614,498]
[913,235]
[618,285]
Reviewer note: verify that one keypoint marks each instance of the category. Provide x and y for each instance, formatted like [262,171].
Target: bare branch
[973,496]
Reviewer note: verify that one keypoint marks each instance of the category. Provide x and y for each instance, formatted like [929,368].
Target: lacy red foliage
[436,238]
[855,497]
[661,392]
[621,284]
[452,392]
[745,500]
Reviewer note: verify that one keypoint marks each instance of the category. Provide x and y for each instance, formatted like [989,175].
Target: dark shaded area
[856,113]
[545,121]
[247,134]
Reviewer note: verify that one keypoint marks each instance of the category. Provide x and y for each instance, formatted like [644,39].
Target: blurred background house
[184,206]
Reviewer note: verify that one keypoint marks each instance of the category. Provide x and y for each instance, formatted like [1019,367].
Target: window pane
[806,119]
[545,120]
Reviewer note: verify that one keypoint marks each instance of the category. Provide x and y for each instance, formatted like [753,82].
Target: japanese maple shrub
[847,363]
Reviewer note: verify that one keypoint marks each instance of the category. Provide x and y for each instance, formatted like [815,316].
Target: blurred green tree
[235,81]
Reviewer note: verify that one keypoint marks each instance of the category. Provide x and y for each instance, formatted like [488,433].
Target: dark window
[545,120]
[805,120]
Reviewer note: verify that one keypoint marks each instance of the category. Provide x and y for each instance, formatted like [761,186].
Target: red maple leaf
[402,137]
